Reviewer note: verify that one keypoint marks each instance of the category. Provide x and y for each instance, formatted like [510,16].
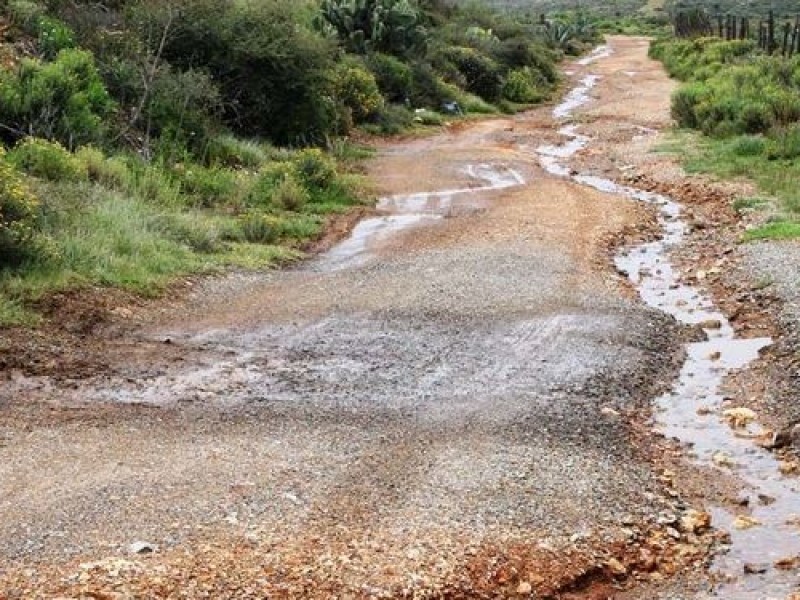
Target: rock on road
[443,416]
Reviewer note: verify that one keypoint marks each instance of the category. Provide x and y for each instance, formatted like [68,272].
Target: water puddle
[597,54]
[404,211]
[695,411]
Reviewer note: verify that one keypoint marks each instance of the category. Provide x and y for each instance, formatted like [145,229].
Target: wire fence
[775,35]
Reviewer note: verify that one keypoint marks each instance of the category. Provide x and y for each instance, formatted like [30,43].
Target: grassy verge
[147,224]
[746,107]
[777,180]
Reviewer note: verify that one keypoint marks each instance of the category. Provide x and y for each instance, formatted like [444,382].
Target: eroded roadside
[451,403]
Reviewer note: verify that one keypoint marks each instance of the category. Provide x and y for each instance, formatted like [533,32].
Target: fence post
[787,28]
[771,45]
[719,25]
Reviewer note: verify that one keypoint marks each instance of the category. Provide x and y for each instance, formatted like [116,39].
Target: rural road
[447,404]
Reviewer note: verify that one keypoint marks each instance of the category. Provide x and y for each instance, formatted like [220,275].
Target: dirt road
[450,403]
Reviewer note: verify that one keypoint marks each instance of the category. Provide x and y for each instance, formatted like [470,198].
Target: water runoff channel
[772,536]
[692,412]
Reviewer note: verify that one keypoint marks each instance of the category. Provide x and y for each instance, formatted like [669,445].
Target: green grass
[780,230]
[143,232]
[778,180]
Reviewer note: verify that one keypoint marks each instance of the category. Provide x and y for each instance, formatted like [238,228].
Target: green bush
[230,151]
[748,145]
[394,77]
[521,86]
[63,100]
[54,36]
[784,143]
[684,104]
[48,160]
[356,89]
[258,228]
[273,73]
[207,187]
[111,172]
[290,194]
[25,13]
[391,120]
[19,211]
[428,89]
[482,74]
[313,168]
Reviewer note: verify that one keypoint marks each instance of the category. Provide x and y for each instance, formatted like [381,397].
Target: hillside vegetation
[143,139]
[747,106]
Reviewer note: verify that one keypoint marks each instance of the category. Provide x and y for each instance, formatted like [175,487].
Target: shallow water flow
[692,411]
[404,211]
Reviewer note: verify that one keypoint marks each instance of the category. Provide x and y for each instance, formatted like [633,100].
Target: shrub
[394,77]
[19,210]
[111,172]
[64,100]
[356,89]
[207,187]
[25,13]
[48,160]
[54,36]
[289,194]
[519,52]
[428,89]
[521,86]
[314,169]
[684,104]
[268,178]
[272,72]
[481,73]
[391,120]
[230,151]
[784,143]
[748,145]
[180,108]
[258,228]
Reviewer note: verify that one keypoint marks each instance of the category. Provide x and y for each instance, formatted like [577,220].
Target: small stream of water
[408,210]
[774,499]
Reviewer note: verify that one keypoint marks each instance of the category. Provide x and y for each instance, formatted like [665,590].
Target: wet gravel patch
[775,267]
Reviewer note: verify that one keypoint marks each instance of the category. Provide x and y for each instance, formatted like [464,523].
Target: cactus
[391,26]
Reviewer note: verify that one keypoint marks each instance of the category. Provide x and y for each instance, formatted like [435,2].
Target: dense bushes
[748,104]
[64,100]
[731,88]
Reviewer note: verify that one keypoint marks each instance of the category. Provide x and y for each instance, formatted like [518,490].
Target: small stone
[790,563]
[739,417]
[755,568]
[695,521]
[745,522]
[616,567]
[524,588]
[711,324]
[141,548]
[766,500]
[716,355]
[788,467]
[704,410]
[721,459]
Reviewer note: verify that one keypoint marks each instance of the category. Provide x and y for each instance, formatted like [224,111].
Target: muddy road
[454,401]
